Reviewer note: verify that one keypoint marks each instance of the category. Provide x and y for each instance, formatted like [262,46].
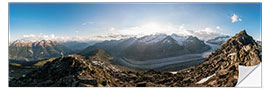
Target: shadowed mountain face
[220,69]
[23,50]
[153,46]
[75,46]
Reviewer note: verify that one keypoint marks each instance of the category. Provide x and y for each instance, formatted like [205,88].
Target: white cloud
[235,18]
[33,37]
[240,19]
[206,33]
[218,27]
[112,29]
[154,28]
[111,37]
[137,31]
[41,36]
[29,36]
[146,29]
[87,23]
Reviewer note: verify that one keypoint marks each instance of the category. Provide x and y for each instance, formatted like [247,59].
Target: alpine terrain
[219,69]
[36,50]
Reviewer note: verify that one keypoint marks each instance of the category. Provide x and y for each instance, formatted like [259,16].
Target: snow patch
[30,51]
[232,54]
[152,38]
[179,39]
[173,72]
[166,41]
[205,79]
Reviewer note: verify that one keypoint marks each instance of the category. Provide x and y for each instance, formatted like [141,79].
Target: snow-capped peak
[179,39]
[152,38]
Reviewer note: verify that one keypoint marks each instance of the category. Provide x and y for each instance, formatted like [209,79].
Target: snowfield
[152,38]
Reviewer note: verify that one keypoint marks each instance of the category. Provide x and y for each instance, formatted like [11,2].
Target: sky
[105,21]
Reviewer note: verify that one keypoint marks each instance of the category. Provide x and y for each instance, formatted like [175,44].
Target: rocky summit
[220,69]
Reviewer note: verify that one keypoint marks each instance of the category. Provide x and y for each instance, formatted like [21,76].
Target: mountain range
[220,69]
[75,46]
[36,50]
[151,46]
[218,40]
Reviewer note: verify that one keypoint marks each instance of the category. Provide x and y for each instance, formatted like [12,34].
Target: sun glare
[152,25]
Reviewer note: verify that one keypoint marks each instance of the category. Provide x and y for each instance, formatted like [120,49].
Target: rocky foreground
[219,69]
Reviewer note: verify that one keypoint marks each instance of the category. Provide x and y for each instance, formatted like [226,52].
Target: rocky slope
[222,65]
[220,69]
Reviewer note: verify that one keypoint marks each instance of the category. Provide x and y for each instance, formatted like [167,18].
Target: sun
[152,28]
[151,25]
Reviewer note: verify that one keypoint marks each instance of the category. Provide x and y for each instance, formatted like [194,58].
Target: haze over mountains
[160,52]
[153,46]
[159,46]
[75,46]
[153,51]
[148,47]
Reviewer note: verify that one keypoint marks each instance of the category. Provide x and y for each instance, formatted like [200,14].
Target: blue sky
[88,20]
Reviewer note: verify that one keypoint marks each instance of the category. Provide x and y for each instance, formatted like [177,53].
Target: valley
[132,44]
[167,64]
[97,67]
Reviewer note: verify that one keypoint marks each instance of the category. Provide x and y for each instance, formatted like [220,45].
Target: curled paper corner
[249,76]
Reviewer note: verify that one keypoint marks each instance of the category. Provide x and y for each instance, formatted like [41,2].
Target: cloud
[87,23]
[113,33]
[240,19]
[218,27]
[155,28]
[41,36]
[146,29]
[111,37]
[235,18]
[206,33]
[38,37]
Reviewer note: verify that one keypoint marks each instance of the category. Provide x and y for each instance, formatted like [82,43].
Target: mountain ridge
[36,50]
[141,48]
[220,69]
